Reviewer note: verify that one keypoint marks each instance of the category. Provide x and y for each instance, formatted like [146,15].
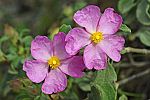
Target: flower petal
[109,48]
[35,70]
[41,48]
[56,81]
[88,17]
[94,57]
[110,22]
[73,66]
[116,41]
[76,39]
[59,46]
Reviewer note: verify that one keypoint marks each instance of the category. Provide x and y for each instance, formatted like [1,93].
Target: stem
[136,64]
[136,50]
[124,81]
[129,93]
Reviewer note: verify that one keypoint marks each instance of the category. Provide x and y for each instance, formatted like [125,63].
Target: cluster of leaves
[135,14]
[14,48]
[133,11]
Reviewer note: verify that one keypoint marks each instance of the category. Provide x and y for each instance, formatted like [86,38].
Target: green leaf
[3,39]
[23,32]
[14,59]
[6,90]
[37,98]
[22,96]
[130,18]
[26,82]
[11,33]
[123,97]
[27,40]
[142,12]
[84,83]
[68,11]
[106,75]
[125,6]
[2,56]
[145,38]
[125,28]
[95,93]
[144,35]
[104,85]
[42,97]
[123,51]
[12,70]
[26,99]
[79,5]
[85,86]
[65,28]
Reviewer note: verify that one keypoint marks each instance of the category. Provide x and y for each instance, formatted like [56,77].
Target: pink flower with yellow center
[97,34]
[52,63]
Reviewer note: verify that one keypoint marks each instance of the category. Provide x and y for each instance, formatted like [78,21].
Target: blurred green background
[22,20]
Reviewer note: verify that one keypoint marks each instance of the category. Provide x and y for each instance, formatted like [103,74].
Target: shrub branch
[137,50]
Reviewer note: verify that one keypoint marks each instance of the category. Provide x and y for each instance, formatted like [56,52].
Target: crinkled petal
[59,46]
[88,17]
[41,48]
[73,66]
[56,81]
[109,48]
[35,70]
[94,57]
[116,41]
[110,22]
[76,39]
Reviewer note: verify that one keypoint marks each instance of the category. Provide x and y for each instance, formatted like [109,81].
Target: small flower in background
[97,35]
[52,63]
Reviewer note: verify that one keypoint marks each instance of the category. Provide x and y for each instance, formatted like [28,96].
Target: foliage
[30,18]
[104,86]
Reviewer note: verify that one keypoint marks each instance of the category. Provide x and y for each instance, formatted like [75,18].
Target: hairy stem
[137,50]
[126,80]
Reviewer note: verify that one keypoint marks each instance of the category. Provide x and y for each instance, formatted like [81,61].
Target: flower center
[97,37]
[54,62]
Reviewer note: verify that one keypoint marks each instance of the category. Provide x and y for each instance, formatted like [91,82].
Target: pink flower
[52,63]
[97,34]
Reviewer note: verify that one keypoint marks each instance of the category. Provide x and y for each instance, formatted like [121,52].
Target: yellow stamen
[97,37]
[54,62]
